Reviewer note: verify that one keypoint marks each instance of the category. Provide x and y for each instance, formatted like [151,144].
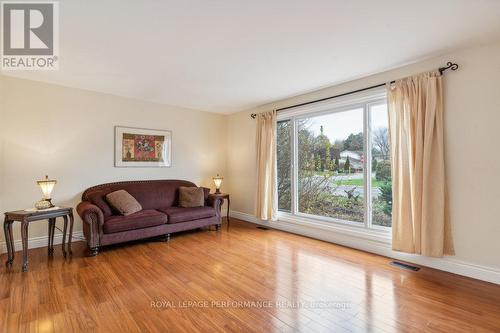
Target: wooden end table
[27,217]
[224,196]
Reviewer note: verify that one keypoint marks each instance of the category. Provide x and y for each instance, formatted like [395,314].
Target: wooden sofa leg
[217,227]
[94,251]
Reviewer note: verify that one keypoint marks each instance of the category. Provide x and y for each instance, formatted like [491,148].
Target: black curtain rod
[449,65]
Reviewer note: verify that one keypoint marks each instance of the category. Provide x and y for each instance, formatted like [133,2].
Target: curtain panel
[267,189]
[420,210]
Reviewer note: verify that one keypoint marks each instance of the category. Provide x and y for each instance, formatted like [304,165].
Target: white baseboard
[380,247]
[41,241]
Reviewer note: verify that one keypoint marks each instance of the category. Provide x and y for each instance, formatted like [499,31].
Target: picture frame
[142,147]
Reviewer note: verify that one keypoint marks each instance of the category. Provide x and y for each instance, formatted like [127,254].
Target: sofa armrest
[215,201]
[93,220]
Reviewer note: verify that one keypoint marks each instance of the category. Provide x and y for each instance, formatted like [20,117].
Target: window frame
[363,100]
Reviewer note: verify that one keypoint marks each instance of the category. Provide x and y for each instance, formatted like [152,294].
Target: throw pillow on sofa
[123,202]
[191,197]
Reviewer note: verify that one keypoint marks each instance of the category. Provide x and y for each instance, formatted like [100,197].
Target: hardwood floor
[296,284]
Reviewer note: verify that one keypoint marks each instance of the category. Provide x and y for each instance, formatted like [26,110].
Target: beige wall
[69,134]
[472,135]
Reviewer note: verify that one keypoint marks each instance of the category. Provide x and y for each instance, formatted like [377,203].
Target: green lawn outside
[358,182]
[349,182]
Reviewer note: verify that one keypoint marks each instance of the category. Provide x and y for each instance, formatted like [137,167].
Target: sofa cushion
[191,197]
[179,214]
[142,219]
[123,202]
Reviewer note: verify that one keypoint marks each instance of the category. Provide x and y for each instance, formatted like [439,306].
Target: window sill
[380,235]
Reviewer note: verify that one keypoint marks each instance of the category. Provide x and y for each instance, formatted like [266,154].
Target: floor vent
[404,266]
[263,228]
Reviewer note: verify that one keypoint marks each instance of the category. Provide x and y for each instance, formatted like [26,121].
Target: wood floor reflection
[244,280]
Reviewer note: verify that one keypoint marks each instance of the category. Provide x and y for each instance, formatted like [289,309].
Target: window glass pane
[381,167]
[330,174]
[284,160]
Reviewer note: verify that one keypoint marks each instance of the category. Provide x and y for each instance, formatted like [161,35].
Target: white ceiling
[229,55]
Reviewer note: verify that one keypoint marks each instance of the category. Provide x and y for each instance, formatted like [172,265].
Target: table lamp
[47,185]
[217,181]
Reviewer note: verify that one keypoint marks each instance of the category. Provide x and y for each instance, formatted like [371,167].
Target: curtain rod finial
[253,115]
[449,65]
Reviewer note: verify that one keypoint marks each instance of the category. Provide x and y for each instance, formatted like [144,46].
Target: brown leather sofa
[160,216]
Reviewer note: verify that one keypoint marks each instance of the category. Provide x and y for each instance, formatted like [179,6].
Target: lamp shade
[217,181]
[47,185]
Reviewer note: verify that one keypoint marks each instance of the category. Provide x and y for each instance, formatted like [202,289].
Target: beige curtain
[420,212]
[267,193]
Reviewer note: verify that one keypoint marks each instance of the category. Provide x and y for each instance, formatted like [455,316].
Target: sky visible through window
[338,126]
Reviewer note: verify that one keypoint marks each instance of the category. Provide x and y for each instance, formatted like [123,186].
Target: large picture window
[334,162]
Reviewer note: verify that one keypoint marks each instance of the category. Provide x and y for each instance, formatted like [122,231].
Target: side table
[224,196]
[27,217]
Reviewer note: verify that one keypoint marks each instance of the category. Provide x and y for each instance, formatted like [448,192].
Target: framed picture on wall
[141,147]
